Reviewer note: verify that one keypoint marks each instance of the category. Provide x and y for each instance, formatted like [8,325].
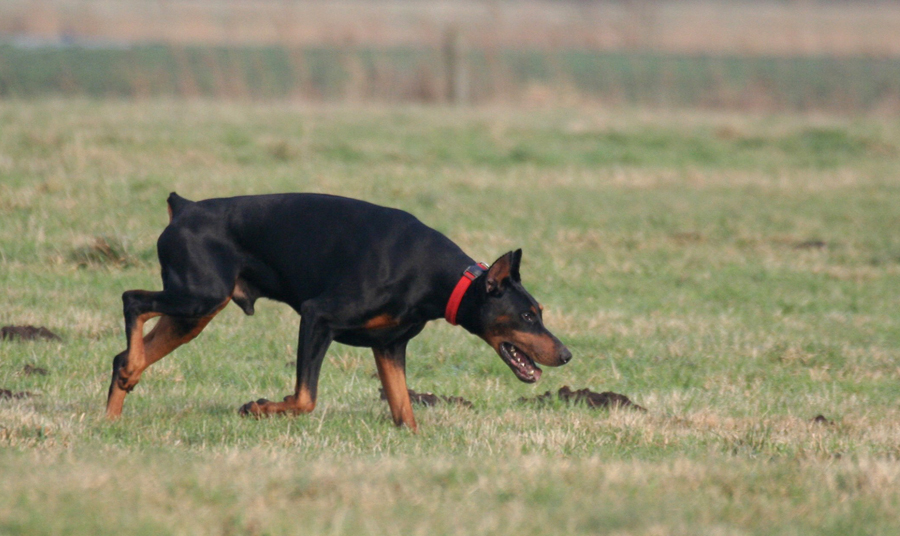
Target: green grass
[735,274]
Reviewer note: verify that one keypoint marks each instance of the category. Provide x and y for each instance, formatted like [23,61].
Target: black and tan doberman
[357,273]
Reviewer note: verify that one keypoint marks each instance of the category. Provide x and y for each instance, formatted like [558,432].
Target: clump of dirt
[811,244]
[431,399]
[587,397]
[103,251]
[7,394]
[27,333]
[686,237]
[31,370]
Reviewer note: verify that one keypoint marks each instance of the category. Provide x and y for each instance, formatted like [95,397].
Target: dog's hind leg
[199,274]
[181,321]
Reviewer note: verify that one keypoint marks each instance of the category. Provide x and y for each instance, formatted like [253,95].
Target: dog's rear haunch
[357,273]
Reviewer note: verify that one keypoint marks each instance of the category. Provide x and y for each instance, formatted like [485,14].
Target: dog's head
[508,318]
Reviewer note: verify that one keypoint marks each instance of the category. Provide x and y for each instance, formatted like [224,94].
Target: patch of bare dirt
[587,397]
[28,333]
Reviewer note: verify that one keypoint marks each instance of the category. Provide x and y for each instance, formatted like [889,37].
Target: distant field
[681,27]
[402,74]
[735,274]
[729,54]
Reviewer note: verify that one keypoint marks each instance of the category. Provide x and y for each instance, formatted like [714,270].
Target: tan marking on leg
[143,351]
[136,350]
[303,401]
[393,379]
[135,360]
[295,404]
[114,402]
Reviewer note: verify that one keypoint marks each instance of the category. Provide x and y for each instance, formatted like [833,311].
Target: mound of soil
[7,394]
[31,370]
[28,333]
[587,397]
[431,399]
[811,244]
[103,251]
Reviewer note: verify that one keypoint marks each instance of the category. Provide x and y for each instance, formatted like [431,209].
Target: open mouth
[522,365]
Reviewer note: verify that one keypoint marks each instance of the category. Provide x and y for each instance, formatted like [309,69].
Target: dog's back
[292,247]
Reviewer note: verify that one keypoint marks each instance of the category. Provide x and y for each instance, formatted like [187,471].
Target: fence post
[455,66]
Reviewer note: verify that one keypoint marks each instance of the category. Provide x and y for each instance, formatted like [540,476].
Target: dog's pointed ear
[501,270]
[514,268]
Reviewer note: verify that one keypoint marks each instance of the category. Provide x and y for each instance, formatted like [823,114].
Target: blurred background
[801,55]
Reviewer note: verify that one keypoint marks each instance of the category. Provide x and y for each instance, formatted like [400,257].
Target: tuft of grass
[102,251]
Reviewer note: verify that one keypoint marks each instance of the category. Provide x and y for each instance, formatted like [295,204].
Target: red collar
[471,273]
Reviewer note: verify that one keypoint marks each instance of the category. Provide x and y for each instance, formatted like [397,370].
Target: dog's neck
[461,288]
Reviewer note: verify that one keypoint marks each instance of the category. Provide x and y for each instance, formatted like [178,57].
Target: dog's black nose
[565,356]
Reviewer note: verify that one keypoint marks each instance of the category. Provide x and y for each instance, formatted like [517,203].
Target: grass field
[737,275]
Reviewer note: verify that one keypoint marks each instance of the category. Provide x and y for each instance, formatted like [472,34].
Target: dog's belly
[379,337]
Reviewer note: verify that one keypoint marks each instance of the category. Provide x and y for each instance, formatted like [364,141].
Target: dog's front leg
[391,363]
[315,337]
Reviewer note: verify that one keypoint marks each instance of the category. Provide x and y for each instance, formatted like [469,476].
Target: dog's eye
[529,317]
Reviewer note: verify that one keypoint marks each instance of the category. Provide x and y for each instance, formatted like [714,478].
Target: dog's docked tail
[176,204]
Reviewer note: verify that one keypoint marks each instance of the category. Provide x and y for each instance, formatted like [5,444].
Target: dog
[357,273]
